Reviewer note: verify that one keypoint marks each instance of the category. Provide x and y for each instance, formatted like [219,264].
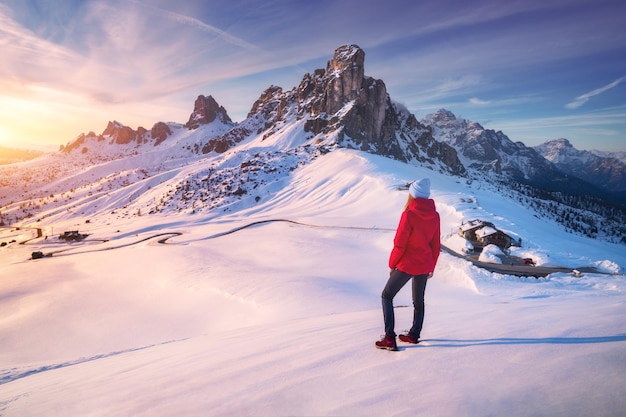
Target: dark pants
[397,280]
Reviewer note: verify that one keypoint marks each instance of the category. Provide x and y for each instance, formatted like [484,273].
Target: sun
[7,138]
[4,139]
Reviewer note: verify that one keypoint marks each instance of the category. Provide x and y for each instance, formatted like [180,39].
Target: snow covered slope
[280,318]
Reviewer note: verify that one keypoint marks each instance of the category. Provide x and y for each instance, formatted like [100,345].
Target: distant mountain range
[341,102]
[12,155]
[620,156]
[607,172]
[555,165]
[211,162]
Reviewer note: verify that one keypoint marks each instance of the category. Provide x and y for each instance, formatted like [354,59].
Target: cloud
[580,100]
[27,57]
[478,102]
[198,24]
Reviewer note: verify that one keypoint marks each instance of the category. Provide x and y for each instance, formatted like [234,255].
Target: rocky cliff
[341,102]
[205,111]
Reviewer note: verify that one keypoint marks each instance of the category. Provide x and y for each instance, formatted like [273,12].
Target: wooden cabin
[481,233]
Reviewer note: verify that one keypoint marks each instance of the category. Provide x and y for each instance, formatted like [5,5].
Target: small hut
[492,236]
[481,233]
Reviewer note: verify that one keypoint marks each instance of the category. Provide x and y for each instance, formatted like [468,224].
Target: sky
[536,70]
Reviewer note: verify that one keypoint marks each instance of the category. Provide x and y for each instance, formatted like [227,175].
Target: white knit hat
[420,188]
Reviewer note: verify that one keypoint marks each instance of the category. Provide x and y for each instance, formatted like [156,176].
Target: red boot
[387,342]
[407,338]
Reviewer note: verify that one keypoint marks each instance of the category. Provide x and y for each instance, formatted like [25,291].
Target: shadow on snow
[522,341]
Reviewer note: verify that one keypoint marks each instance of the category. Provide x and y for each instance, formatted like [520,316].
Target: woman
[414,256]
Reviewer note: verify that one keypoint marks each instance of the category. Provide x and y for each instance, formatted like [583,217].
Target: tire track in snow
[10,375]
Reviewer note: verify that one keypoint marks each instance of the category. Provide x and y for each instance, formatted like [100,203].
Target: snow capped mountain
[341,103]
[620,156]
[606,172]
[485,149]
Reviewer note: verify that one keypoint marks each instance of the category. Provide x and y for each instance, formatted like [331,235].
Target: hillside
[280,318]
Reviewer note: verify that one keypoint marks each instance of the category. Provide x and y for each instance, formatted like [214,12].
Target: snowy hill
[236,269]
[280,318]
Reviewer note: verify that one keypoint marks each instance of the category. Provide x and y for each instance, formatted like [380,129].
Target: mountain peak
[559,143]
[343,99]
[347,78]
[558,150]
[205,111]
[337,105]
[348,57]
[443,114]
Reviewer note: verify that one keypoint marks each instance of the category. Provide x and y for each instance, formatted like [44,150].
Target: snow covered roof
[472,224]
[486,231]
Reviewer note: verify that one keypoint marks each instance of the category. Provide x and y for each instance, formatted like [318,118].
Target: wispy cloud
[27,57]
[198,24]
[585,129]
[614,116]
[478,102]
[124,52]
[580,100]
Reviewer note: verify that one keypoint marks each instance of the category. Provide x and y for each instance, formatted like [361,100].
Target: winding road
[507,268]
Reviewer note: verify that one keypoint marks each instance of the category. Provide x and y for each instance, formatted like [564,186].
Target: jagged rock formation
[341,101]
[480,148]
[119,134]
[160,131]
[325,92]
[205,111]
[122,135]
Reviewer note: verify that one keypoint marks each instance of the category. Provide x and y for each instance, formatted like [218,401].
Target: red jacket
[417,242]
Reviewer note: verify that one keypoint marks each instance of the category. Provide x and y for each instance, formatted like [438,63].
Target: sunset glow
[528,68]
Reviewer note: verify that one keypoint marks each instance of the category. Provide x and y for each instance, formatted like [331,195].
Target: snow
[280,318]
[458,244]
[486,231]
[491,253]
